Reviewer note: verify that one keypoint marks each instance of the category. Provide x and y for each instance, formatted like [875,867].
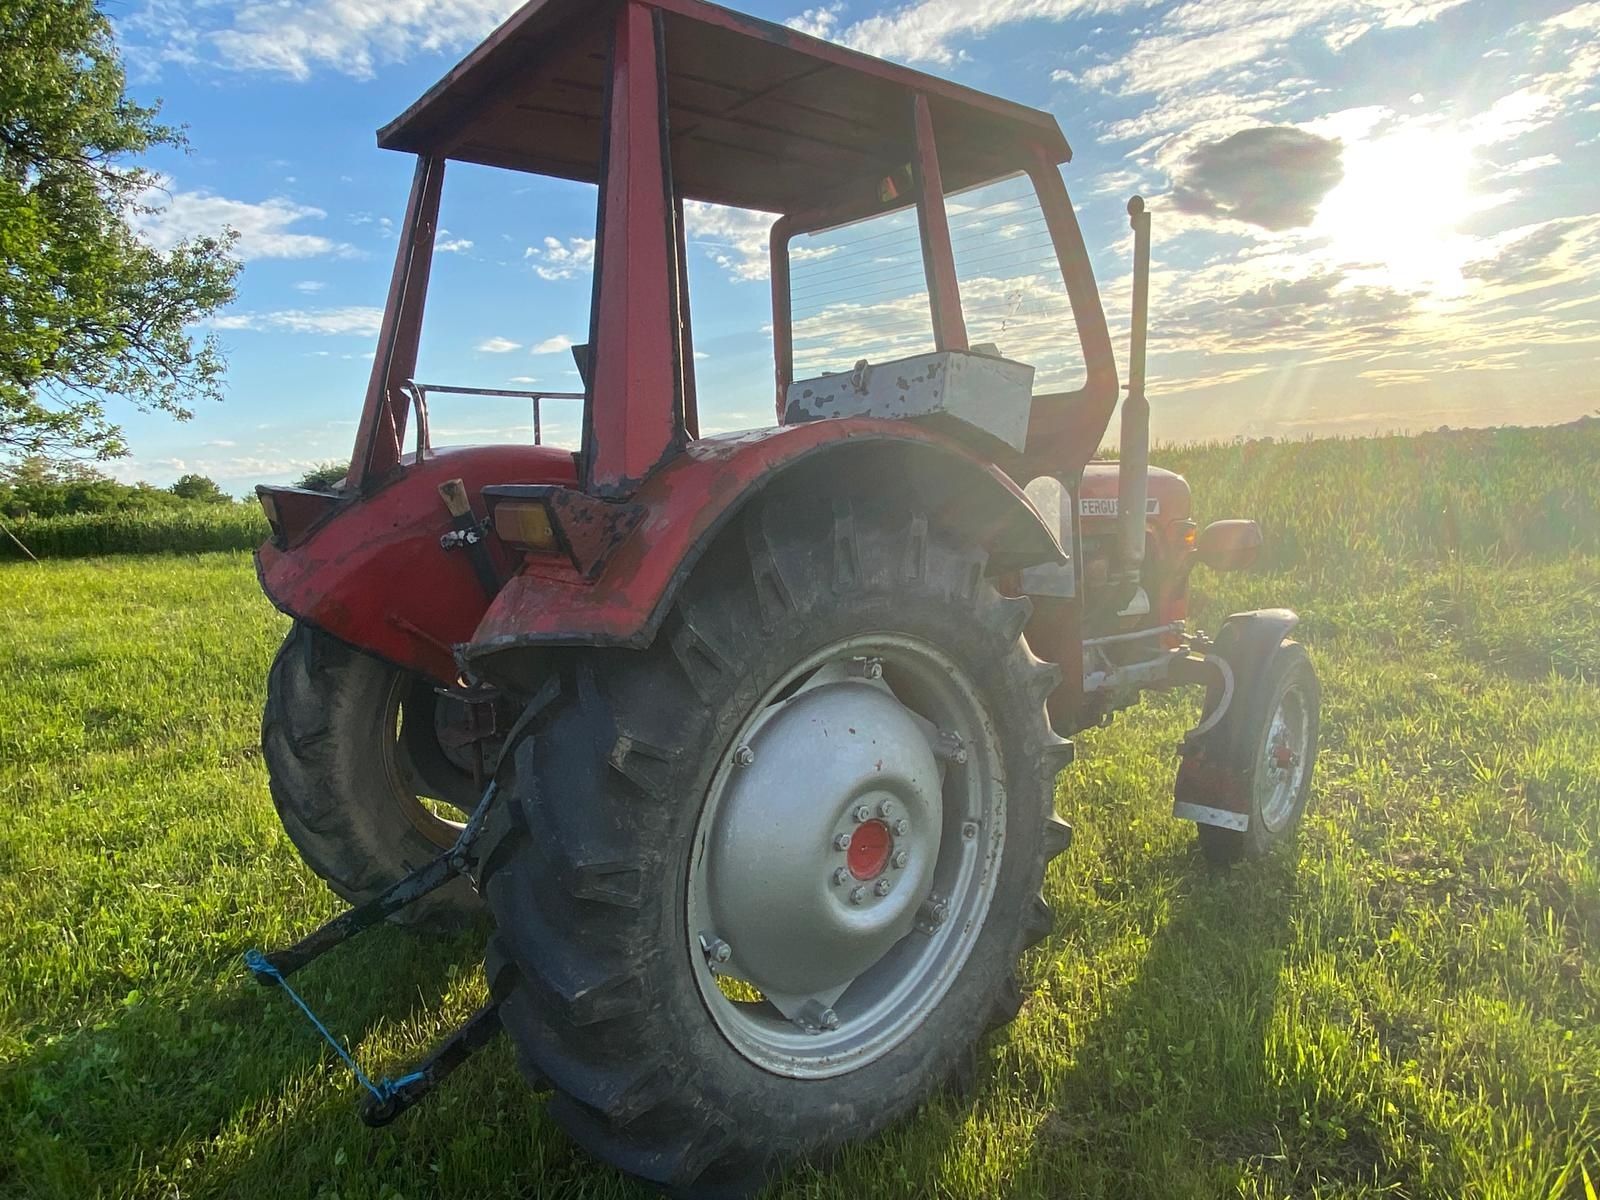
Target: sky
[1369,215]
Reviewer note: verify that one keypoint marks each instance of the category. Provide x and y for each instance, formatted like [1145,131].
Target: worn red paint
[634,416]
[373,574]
[687,500]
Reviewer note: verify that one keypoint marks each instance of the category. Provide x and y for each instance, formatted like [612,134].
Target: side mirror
[1229,545]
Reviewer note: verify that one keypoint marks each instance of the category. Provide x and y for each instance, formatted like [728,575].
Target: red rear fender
[373,573]
[688,502]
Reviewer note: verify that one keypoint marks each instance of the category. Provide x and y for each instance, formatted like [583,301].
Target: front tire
[621,842]
[1274,755]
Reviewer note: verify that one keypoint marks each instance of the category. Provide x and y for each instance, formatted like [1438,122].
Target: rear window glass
[1012,292]
[858,291]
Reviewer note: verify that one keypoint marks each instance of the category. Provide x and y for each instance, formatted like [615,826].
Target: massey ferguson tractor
[747,744]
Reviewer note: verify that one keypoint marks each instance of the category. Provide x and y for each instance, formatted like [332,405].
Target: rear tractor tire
[346,774]
[760,888]
[1274,751]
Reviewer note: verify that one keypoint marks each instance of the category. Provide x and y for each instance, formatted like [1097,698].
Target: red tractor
[748,743]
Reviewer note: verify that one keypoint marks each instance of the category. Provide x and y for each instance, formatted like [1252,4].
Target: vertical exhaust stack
[1134,468]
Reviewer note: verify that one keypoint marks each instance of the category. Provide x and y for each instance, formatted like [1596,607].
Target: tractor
[747,743]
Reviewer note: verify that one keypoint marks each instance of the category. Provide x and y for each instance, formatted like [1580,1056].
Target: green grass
[1406,1006]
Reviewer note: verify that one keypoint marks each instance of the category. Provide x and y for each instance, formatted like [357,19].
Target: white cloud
[264,228]
[819,22]
[561,260]
[498,345]
[354,319]
[353,37]
[734,238]
[450,245]
[924,31]
[523,379]
[553,345]
[310,286]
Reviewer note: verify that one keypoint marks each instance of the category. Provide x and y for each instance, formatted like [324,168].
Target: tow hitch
[388,1098]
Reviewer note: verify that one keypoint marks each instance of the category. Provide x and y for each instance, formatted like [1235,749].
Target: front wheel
[1274,755]
[760,888]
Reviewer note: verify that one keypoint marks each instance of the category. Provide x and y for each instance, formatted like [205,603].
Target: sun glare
[1395,217]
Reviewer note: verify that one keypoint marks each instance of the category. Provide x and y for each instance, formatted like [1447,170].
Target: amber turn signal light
[525,523]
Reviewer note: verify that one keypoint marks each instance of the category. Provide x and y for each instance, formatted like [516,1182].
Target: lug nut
[861,813]
[743,756]
[882,888]
[857,894]
[900,859]
[840,877]
[886,809]
[716,949]
[841,841]
[902,827]
[969,830]
[829,1019]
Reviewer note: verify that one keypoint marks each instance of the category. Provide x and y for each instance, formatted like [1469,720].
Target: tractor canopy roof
[760,115]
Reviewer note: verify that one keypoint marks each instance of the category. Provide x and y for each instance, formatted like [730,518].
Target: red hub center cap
[869,849]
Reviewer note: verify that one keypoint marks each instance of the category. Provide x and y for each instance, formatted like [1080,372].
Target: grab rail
[419,398]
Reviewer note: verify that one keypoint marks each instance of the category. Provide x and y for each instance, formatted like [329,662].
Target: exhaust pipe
[1134,469]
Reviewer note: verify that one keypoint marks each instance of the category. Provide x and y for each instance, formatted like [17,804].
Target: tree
[199,487]
[324,476]
[89,312]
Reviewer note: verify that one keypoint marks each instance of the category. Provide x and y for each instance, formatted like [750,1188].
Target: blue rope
[385,1089]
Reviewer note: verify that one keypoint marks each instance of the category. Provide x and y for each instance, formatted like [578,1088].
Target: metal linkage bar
[352,921]
[347,924]
[388,1098]
[478,1031]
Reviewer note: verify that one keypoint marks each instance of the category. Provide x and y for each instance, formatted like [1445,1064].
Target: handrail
[420,392]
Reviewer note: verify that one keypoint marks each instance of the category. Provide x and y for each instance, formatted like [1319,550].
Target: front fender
[1210,786]
[690,500]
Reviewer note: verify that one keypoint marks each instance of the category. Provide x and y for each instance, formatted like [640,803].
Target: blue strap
[385,1089]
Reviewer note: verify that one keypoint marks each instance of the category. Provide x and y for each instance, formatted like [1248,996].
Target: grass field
[1406,1006]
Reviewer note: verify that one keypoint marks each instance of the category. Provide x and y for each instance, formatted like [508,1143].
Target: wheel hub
[870,847]
[1278,785]
[841,785]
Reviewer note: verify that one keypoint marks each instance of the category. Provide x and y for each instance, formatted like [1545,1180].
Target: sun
[1395,218]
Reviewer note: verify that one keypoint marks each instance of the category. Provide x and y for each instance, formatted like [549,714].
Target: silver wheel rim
[875,746]
[1281,771]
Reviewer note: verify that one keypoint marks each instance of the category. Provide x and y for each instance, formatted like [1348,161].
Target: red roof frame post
[633,415]
[938,258]
[383,416]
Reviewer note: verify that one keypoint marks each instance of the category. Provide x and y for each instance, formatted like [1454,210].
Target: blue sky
[1370,214]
